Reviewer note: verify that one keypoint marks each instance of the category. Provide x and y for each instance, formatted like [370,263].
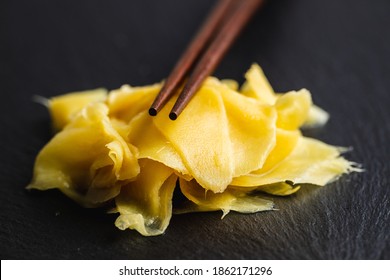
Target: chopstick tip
[173,116]
[152,111]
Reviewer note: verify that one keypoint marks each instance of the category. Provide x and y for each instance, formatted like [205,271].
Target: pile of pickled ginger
[228,146]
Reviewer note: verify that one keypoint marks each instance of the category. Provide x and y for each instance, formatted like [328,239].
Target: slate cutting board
[340,50]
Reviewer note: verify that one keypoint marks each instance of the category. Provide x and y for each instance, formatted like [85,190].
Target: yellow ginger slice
[311,162]
[286,141]
[251,131]
[64,107]
[257,86]
[293,109]
[232,199]
[232,84]
[88,160]
[146,204]
[201,137]
[126,102]
[317,117]
[279,189]
[152,144]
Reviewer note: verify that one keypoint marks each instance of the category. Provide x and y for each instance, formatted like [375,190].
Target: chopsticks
[208,47]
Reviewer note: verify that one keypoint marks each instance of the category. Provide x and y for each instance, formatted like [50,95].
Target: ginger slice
[311,162]
[88,160]
[203,122]
[258,86]
[232,199]
[64,107]
[126,102]
[293,109]
[146,204]
[286,141]
[317,117]
[252,131]
[279,189]
[232,84]
[152,144]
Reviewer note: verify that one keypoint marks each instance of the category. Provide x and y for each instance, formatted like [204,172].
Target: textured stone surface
[337,49]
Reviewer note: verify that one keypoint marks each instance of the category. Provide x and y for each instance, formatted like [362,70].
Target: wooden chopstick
[227,20]
[193,51]
[213,55]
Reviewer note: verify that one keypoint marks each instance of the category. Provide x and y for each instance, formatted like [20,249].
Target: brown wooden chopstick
[192,52]
[226,20]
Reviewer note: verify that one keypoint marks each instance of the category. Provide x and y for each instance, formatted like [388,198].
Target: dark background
[340,50]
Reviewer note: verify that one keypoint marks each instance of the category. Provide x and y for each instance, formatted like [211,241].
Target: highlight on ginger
[228,146]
